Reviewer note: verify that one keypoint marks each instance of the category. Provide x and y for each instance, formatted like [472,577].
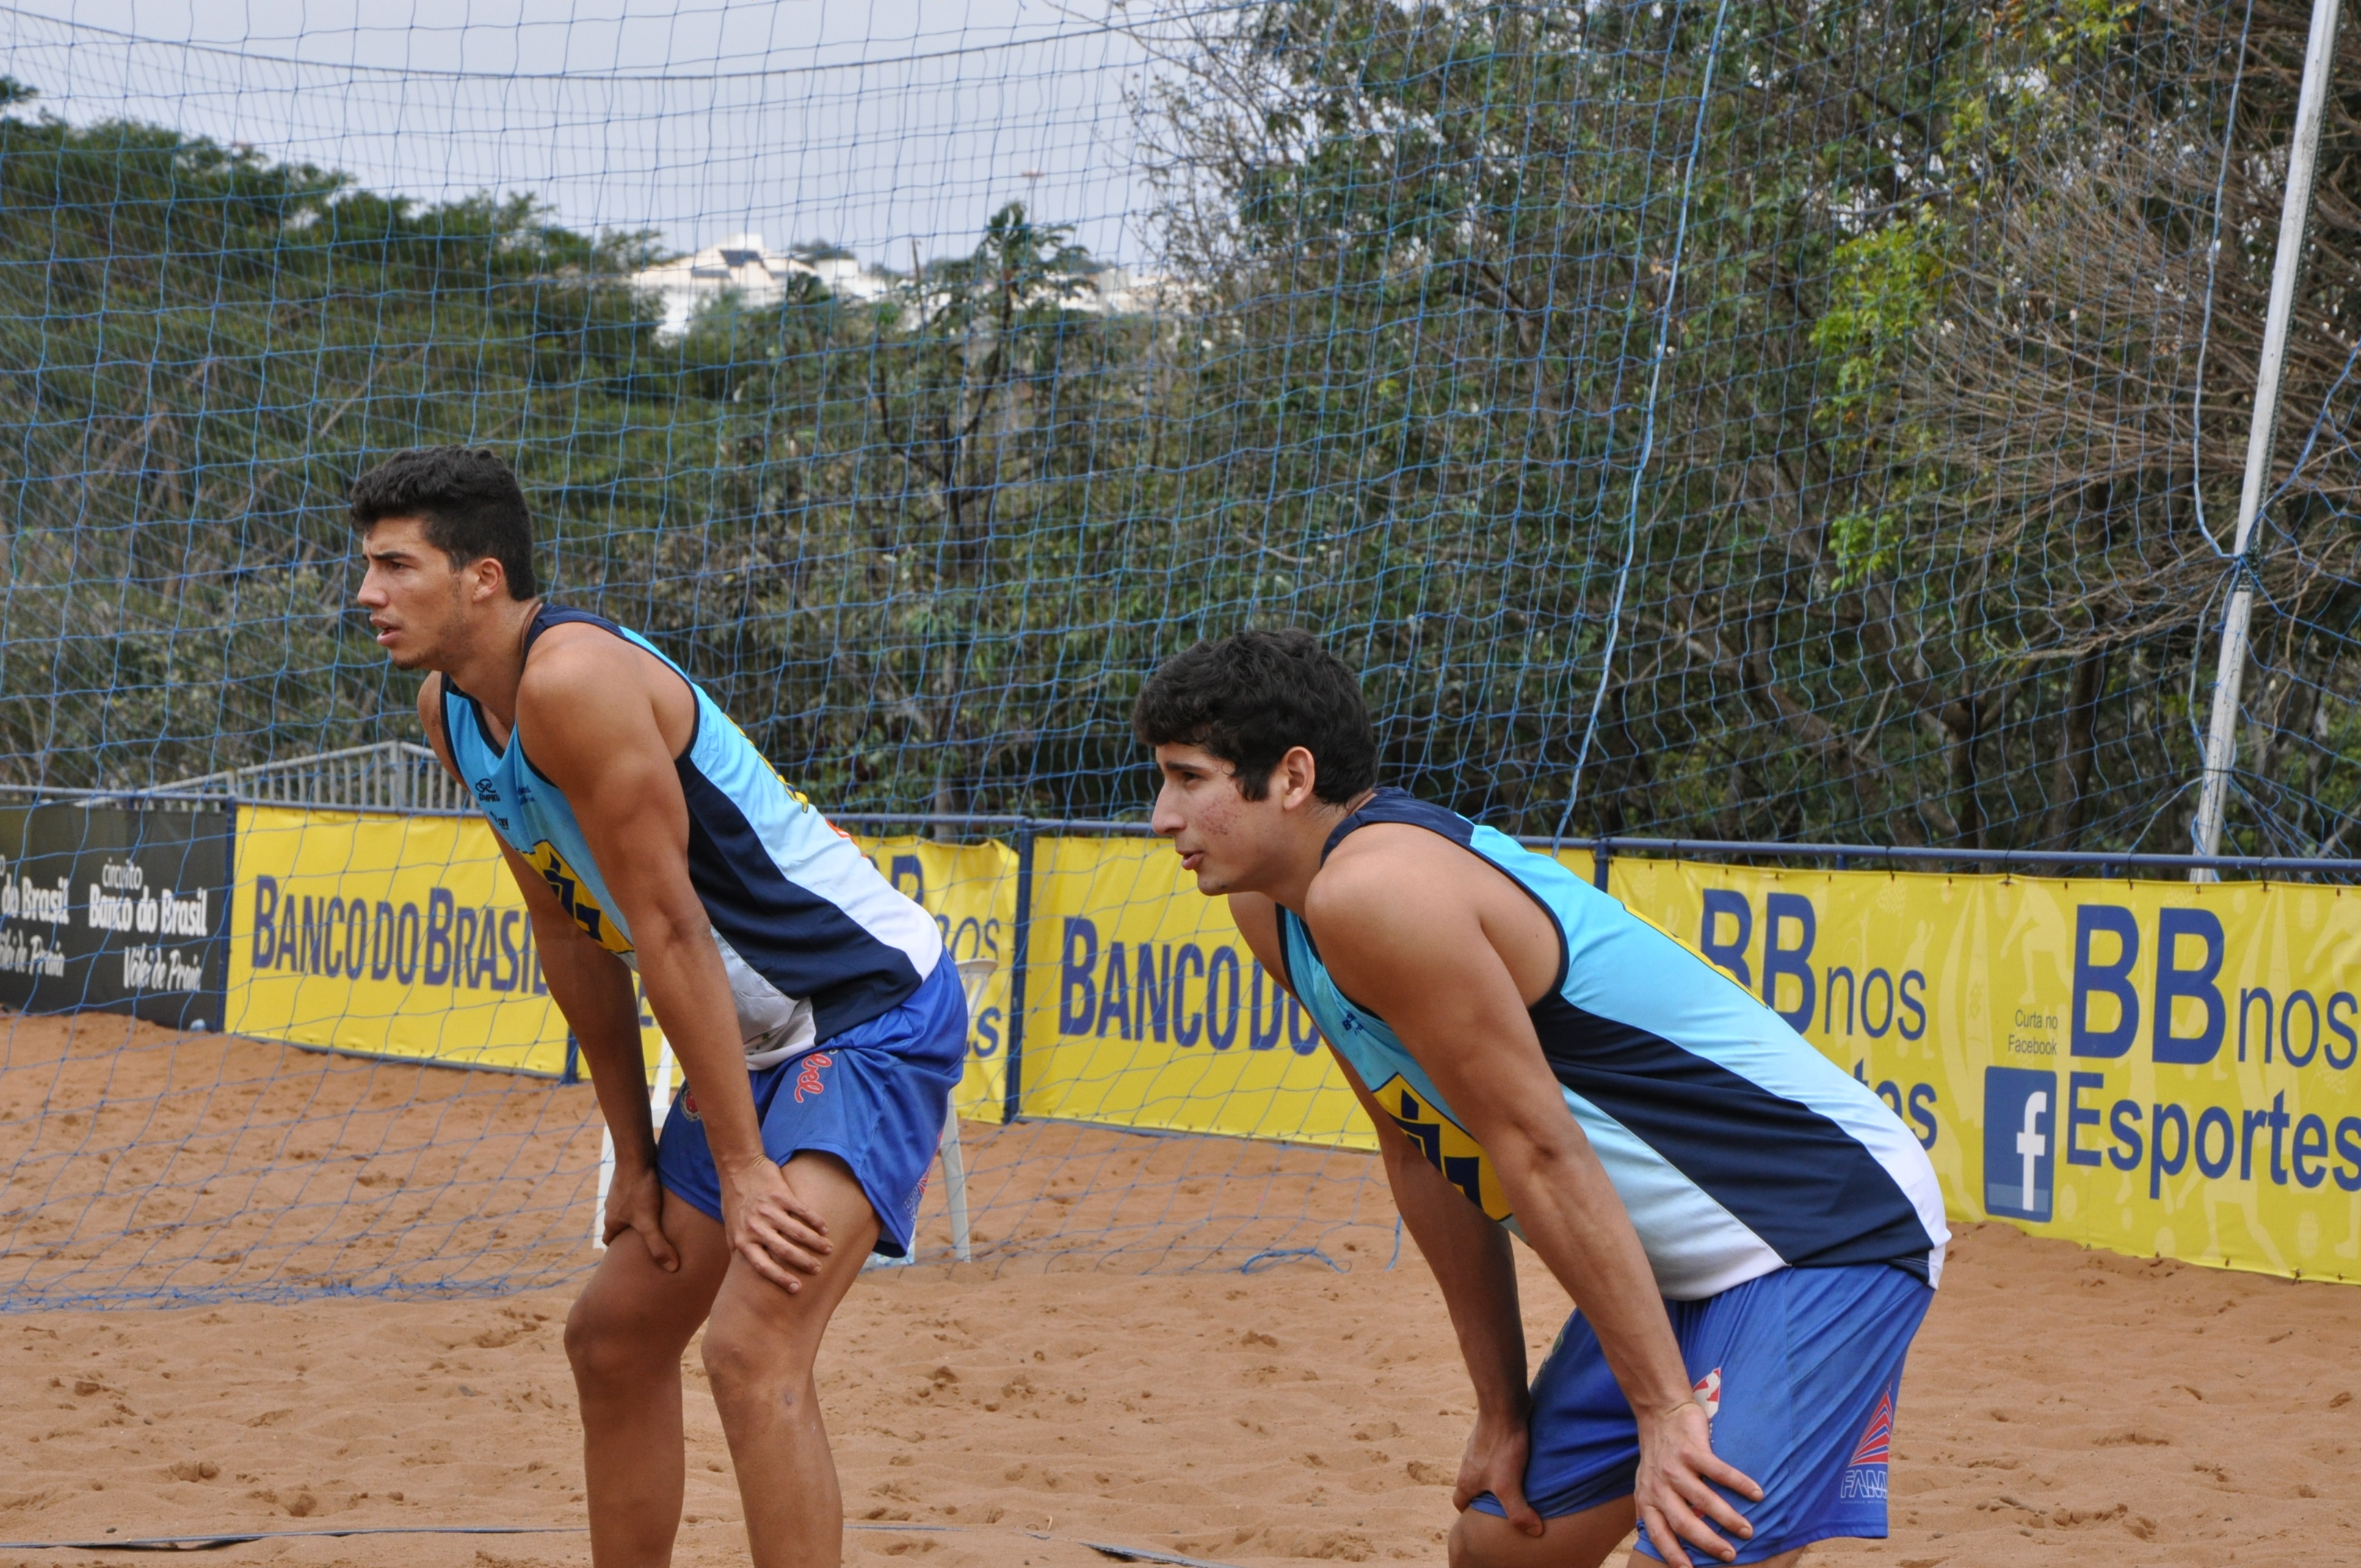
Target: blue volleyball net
[1713,419]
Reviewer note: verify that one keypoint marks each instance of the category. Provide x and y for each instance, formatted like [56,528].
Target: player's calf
[624,1338]
[759,1346]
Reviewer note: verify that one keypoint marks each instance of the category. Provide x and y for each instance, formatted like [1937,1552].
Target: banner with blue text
[2160,1068]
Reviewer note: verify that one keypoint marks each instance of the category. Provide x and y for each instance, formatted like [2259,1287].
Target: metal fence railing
[391,775]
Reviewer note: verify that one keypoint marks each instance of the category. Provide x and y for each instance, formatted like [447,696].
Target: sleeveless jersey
[1737,1147]
[814,941]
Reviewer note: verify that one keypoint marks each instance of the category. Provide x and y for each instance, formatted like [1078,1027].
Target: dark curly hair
[470,502]
[1249,697]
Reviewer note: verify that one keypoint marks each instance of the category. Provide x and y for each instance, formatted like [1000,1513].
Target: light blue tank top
[815,941]
[1737,1147]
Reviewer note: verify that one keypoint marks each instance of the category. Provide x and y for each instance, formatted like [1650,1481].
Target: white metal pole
[2229,675]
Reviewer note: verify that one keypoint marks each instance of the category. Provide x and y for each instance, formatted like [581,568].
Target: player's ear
[1295,777]
[487,578]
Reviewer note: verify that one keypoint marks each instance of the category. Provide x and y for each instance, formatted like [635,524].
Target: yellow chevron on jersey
[574,896]
[1447,1148]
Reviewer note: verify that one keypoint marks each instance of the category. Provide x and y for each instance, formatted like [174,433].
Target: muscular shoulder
[1394,897]
[588,700]
[579,663]
[1388,882]
[1392,867]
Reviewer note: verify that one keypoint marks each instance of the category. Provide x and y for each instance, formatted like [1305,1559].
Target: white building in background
[758,276]
[761,277]
[1124,291]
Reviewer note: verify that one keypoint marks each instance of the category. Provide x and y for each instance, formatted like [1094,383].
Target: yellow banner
[2159,1068]
[405,936]
[1144,1008]
[971,890]
[388,936]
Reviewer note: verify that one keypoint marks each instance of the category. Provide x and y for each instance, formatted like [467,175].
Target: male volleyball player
[820,1025]
[1752,1237]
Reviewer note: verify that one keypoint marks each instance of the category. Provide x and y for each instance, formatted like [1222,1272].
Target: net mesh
[1726,419]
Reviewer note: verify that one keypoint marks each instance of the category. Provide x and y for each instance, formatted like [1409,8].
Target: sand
[2060,1405]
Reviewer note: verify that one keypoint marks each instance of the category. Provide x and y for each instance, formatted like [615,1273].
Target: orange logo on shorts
[809,1080]
[688,1106]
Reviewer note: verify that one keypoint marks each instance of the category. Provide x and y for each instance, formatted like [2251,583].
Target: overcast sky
[877,124]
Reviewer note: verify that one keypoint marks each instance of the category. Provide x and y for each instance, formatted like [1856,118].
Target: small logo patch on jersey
[1446,1144]
[687,1106]
[484,790]
[1876,1436]
[809,1080]
[1708,1390]
[573,895]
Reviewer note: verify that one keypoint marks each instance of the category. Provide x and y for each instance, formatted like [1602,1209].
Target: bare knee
[748,1361]
[593,1347]
[605,1346]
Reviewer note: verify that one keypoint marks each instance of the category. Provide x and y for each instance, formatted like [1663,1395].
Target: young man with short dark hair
[820,1028]
[1752,1236]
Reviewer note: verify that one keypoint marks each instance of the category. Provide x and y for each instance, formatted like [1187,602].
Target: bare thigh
[759,1330]
[633,1312]
[1574,1540]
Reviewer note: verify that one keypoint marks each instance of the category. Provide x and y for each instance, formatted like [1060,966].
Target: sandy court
[142,1163]
[2061,1406]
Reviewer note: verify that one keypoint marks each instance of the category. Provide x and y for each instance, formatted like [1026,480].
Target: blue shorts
[874,1096]
[1801,1368]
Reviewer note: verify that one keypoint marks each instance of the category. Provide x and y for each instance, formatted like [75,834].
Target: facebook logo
[2020,1141]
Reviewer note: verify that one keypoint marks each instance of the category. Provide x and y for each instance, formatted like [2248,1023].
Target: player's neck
[1287,880]
[492,666]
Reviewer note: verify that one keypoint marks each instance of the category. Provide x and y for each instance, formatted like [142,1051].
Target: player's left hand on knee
[779,1234]
[1674,1491]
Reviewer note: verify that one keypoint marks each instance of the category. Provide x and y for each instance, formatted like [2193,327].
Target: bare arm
[593,990]
[1438,970]
[1476,1272]
[588,709]
[1473,1267]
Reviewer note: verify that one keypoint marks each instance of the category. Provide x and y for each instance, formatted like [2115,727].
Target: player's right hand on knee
[1494,1461]
[778,1234]
[1674,1491]
[635,1203]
